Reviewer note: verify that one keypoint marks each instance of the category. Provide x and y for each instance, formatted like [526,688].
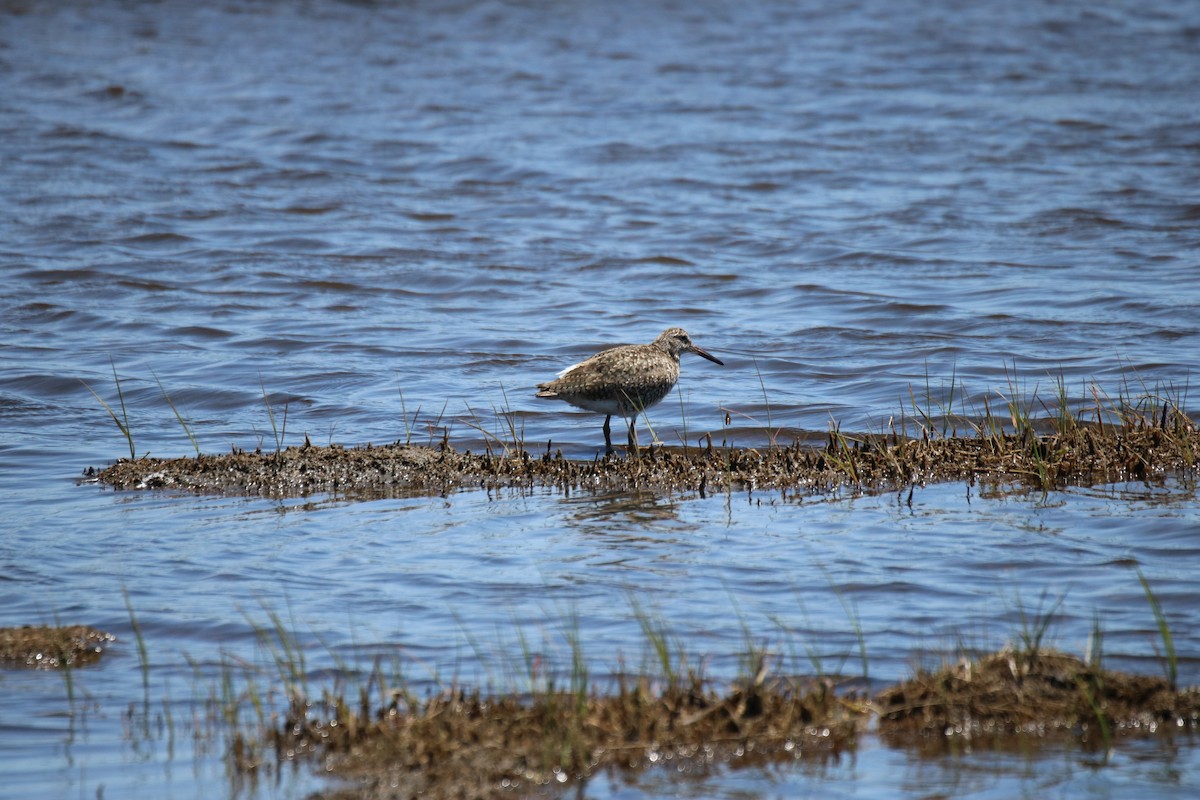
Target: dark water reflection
[393,220]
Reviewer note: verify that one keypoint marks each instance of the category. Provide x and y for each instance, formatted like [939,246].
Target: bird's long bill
[705,354]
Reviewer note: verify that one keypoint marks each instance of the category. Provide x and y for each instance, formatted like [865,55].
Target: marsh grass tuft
[278,430]
[1030,690]
[408,429]
[851,609]
[510,439]
[666,648]
[143,653]
[280,641]
[1034,627]
[1170,660]
[183,423]
[1091,684]
[1002,695]
[122,422]
[434,427]
[841,453]
[1047,443]
[935,423]
[772,431]
[683,438]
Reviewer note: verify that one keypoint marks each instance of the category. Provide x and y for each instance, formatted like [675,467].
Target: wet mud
[46,647]
[1081,454]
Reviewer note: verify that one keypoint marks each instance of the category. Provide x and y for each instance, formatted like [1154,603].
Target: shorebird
[625,380]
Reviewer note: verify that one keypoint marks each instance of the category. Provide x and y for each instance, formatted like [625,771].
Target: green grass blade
[1164,631]
[182,422]
[122,422]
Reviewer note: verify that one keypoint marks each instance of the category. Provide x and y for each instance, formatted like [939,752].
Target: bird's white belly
[600,405]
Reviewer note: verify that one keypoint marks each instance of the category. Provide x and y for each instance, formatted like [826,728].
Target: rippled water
[395,219]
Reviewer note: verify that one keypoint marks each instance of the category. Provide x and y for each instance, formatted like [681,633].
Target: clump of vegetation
[52,647]
[1011,693]
[464,744]
[1049,444]
[1028,689]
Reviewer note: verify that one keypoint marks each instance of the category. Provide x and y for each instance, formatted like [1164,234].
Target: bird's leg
[633,443]
[608,448]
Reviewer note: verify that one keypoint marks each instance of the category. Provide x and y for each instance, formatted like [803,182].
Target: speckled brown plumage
[625,380]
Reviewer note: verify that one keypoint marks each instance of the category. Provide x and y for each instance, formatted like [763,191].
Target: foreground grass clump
[52,647]
[463,744]
[556,727]
[1015,692]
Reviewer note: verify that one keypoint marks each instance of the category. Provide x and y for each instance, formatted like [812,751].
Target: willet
[625,380]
